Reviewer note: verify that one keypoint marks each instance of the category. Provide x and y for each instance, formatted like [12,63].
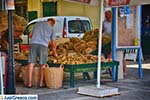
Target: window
[21,8]
[78,26]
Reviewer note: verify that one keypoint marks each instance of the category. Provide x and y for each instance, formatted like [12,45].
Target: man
[42,33]
[107,23]
[107,32]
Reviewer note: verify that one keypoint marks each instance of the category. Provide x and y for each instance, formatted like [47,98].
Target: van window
[78,26]
[28,29]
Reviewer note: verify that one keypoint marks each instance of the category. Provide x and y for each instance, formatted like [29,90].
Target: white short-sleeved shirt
[107,27]
[42,33]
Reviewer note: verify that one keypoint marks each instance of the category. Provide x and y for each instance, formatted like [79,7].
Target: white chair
[131,54]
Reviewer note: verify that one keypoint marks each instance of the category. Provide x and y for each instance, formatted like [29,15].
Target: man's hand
[56,55]
[53,44]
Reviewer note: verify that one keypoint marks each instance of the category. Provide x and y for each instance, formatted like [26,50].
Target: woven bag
[54,76]
[35,76]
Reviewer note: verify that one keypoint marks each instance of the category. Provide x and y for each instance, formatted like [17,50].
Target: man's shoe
[28,86]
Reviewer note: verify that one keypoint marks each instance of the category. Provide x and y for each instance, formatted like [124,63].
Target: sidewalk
[130,88]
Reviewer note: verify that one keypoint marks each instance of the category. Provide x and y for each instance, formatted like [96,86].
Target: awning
[115,3]
[88,2]
[48,0]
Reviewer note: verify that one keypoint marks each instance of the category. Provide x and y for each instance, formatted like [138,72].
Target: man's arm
[54,48]
[30,34]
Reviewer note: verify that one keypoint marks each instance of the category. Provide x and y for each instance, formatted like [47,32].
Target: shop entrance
[146,29]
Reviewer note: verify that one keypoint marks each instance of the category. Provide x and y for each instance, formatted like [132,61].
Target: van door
[58,27]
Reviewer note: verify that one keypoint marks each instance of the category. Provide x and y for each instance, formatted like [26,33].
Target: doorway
[146,29]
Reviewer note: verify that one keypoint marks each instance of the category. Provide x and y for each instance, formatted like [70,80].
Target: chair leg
[110,72]
[86,76]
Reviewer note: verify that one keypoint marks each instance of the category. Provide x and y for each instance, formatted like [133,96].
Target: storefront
[116,42]
[43,8]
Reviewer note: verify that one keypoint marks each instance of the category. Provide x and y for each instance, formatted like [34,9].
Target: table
[72,69]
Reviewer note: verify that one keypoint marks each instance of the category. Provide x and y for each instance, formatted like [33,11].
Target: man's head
[51,21]
[108,15]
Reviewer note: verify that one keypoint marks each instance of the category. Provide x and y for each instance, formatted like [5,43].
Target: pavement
[130,88]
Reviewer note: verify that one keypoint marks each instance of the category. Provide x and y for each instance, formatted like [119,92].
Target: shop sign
[124,11]
[10,5]
[118,2]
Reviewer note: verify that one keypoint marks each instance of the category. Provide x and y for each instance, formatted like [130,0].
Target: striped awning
[115,3]
[48,0]
[87,2]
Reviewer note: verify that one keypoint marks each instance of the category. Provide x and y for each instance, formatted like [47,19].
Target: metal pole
[114,33]
[99,46]
[140,48]
[10,85]
[1,75]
